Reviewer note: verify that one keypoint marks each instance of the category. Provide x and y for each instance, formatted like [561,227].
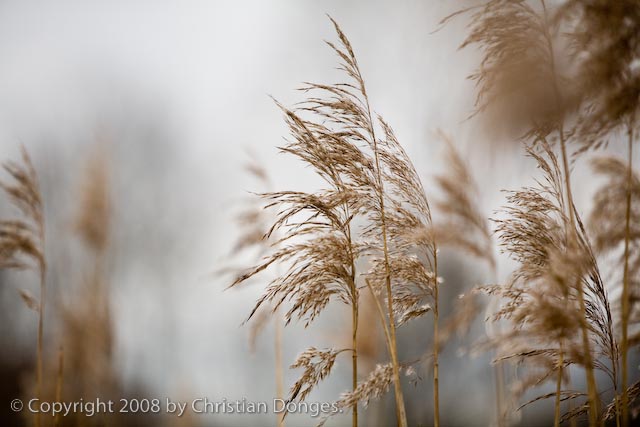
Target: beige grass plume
[22,242]
[316,247]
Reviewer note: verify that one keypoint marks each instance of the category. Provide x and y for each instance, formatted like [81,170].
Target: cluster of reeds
[373,211]
[82,325]
[556,300]
[370,228]
[566,77]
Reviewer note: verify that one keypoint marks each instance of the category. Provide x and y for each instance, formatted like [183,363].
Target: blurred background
[160,102]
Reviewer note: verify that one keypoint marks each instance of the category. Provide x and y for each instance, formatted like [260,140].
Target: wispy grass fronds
[22,241]
[608,217]
[614,224]
[317,365]
[606,45]
[315,245]
[368,176]
[318,266]
[633,396]
[508,33]
[512,36]
[605,38]
[375,386]
[542,300]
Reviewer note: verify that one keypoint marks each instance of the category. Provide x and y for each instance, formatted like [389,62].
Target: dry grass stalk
[594,401]
[22,242]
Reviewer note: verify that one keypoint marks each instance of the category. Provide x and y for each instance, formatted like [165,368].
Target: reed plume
[514,78]
[316,249]
[605,45]
[22,242]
